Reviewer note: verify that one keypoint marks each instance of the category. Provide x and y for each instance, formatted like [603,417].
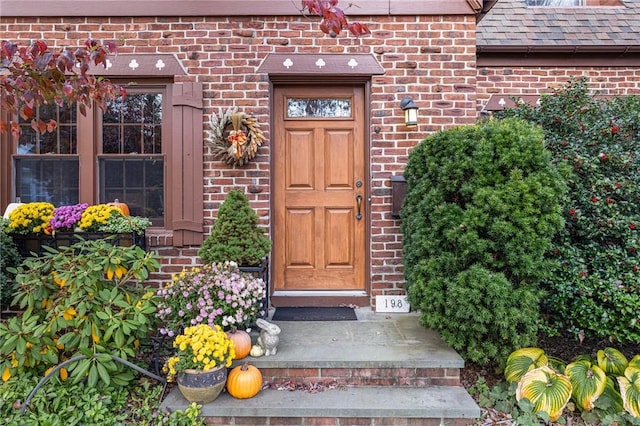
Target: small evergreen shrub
[595,288]
[9,258]
[482,205]
[236,235]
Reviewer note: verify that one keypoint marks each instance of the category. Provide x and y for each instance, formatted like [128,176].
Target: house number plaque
[392,304]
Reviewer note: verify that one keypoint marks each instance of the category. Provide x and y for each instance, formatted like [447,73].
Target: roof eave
[628,48]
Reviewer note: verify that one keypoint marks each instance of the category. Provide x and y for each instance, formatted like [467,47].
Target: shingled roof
[513,26]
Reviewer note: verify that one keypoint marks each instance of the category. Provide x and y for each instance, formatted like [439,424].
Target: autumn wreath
[235,137]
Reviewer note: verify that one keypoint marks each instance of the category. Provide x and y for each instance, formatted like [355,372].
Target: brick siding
[431,58]
[536,80]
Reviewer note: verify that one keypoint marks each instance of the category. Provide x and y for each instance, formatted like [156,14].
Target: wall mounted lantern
[410,112]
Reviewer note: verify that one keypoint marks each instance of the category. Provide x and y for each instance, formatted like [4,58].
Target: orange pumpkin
[244,381]
[122,206]
[242,340]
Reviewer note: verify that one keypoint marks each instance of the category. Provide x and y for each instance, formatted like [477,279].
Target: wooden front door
[319,205]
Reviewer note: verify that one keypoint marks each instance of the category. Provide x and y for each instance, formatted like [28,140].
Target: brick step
[362,376]
[407,406]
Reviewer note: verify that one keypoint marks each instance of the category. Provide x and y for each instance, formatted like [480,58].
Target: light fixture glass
[410,112]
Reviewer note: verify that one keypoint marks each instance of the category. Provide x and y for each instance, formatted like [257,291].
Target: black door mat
[314,314]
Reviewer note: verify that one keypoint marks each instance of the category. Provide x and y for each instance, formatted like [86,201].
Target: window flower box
[35,243]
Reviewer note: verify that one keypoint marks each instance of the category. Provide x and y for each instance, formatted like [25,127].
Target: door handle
[359,204]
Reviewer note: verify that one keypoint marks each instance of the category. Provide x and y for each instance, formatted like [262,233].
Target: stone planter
[202,386]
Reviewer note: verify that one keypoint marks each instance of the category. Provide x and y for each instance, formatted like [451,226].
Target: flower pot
[202,386]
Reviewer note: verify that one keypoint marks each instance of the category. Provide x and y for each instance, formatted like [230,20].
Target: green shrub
[9,258]
[595,288]
[86,299]
[59,403]
[482,205]
[236,235]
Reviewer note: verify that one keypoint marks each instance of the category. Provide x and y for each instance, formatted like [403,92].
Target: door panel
[300,251]
[338,250]
[339,159]
[319,237]
[299,145]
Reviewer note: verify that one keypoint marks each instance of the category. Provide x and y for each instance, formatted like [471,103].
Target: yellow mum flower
[97,215]
[31,218]
[201,347]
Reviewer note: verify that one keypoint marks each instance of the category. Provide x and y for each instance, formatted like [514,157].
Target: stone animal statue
[268,338]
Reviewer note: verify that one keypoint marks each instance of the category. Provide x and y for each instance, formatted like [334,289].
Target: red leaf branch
[333,18]
[34,75]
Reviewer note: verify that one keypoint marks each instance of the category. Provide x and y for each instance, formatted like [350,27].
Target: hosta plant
[588,381]
[630,390]
[547,389]
[86,299]
[522,361]
[612,361]
[609,384]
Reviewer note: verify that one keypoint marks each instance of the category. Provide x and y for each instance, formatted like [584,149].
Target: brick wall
[431,58]
[537,80]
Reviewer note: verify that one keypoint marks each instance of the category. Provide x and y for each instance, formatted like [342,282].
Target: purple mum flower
[65,218]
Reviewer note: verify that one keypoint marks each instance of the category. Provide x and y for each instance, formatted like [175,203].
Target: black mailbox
[398,192]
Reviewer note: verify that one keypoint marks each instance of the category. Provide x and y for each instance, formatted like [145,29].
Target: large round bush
[483,203]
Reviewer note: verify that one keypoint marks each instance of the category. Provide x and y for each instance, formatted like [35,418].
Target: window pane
[132,139]
[68,140]
[110,139]
[63,139]
[48,143]
[138,120]
[304,107]
[67,116]
[48,112]
[28,142]
[138,182]
[47,179]
[152,138]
